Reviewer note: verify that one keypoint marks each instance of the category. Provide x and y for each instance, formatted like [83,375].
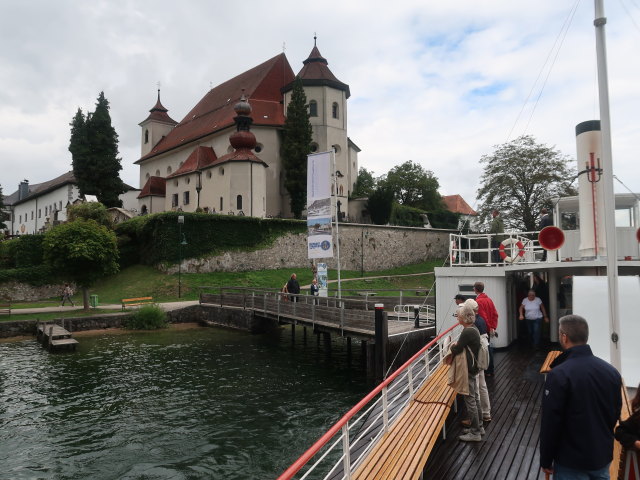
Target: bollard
[381,342]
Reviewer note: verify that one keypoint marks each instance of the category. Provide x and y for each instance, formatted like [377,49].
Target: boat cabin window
[624,217]
[569,221]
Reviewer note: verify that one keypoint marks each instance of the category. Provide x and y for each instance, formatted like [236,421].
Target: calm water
[176,404]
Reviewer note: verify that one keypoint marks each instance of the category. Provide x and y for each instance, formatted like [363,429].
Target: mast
[607,179]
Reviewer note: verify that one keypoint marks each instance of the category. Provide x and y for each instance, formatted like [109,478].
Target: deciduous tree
[380,205]
[365,184]
[2,214]
[94,152]
[414,186]
[90,211]
[520,178]
[296,146]
[81,252]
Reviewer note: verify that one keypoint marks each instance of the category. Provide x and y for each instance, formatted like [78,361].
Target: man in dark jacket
[293,287]
[581,403]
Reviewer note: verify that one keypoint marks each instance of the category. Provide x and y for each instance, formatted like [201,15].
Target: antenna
[315,37]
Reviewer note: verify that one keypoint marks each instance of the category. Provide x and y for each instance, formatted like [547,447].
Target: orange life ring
[509,242]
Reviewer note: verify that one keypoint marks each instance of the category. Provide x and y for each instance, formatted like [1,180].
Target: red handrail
[322,441]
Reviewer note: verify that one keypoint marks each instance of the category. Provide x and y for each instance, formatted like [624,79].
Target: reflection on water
[176,404]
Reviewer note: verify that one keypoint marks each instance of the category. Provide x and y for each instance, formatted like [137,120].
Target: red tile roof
[240,155]
[155,186]
[456,204]
[200,158]
[215,112]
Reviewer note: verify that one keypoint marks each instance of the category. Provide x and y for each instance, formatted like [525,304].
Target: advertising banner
[323,289]
[319,228]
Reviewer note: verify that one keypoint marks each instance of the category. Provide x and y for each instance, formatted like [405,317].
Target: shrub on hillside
[148,317]
[156,238]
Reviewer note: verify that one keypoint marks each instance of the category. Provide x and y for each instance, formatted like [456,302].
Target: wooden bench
[135,302]
[5,309]
[551,356]
[403,451]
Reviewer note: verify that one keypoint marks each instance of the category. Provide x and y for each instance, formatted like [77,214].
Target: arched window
[146,136]
[157,173]
[313,108]
[335,112]
[239,202]
[168,169]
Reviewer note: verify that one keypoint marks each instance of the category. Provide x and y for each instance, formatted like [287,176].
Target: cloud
[439,83]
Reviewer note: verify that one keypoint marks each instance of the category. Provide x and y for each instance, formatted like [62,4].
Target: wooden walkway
[510,449]
[54,336]
[320,313]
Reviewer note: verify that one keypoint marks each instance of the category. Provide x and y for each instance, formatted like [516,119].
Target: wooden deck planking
[510,446]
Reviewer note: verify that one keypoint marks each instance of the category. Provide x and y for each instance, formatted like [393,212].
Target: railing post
[346,451]
[253,300]
[279,300]
[416,316]
[313,312]
[264,303]
[385,410]
[410,381]
[381,338]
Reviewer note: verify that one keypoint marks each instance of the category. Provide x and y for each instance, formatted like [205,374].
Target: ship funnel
[551,238]
[590,189]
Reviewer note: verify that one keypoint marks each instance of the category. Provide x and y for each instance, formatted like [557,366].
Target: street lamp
[182,240]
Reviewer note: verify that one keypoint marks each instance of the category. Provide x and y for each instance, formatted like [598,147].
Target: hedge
[153,239]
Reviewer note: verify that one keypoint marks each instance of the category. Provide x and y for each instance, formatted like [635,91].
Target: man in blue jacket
[581,404]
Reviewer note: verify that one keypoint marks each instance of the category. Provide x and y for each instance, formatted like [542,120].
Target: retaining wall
[367,247]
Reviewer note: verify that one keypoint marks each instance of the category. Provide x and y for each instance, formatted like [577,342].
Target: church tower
[157,125]
[327,99]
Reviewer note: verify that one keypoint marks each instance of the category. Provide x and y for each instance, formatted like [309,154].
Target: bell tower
[157,125]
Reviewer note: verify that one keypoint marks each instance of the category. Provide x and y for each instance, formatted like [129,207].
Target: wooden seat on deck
[403,451]
[551,356]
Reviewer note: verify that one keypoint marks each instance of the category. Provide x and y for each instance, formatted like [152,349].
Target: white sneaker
[470,437]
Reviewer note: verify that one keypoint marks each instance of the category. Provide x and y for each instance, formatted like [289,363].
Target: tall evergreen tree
[296,146]
[94,150]
[2,214]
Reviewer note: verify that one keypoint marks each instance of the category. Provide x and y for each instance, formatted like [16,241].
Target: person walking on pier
[581,404]
[67,292]
[487,310]
[293,287]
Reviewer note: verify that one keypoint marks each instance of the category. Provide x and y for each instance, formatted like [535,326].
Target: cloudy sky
[439,83]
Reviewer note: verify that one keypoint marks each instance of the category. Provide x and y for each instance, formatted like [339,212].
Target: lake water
[173,404]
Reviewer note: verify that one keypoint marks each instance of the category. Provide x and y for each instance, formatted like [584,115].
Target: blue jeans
[566,473]
[533,327]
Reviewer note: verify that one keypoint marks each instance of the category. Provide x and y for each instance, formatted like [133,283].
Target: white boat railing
[342,448]
[495,249]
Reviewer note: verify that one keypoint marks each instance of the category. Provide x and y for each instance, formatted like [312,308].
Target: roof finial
[284,47]
[158,90]
[315,37]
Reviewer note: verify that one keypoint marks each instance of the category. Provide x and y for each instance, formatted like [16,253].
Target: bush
[155,238]
[407,216]
[40,275]
[148,317]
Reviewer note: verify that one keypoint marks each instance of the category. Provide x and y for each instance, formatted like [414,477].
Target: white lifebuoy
[454,251]
[510,242]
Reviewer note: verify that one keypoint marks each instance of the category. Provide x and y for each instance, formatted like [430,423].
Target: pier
[55,337]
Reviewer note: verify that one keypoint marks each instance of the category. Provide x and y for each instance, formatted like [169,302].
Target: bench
[135,302]
[403,450]
[551,356]
[5,309]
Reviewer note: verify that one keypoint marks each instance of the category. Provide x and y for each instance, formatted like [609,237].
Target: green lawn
[143,281]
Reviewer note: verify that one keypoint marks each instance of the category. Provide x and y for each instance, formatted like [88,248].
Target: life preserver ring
[510,242]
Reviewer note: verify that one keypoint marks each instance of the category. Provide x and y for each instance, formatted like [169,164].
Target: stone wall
[23,292]
[370,247]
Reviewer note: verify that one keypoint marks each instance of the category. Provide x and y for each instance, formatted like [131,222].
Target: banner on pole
[323,289]
[319,227]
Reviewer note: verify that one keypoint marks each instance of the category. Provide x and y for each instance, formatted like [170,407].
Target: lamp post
[181,241]
[198,188]
[337,174]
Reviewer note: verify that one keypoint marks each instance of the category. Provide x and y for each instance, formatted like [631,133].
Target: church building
[225,154]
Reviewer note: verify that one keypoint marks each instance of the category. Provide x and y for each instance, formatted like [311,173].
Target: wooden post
[382,336]
[348,350]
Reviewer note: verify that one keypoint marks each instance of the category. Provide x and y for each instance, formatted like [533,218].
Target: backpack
[483,354]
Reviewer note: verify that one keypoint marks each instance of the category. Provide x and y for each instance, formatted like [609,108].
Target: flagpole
[335,189]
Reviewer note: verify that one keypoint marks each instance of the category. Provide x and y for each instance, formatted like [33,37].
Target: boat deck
[510,447]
